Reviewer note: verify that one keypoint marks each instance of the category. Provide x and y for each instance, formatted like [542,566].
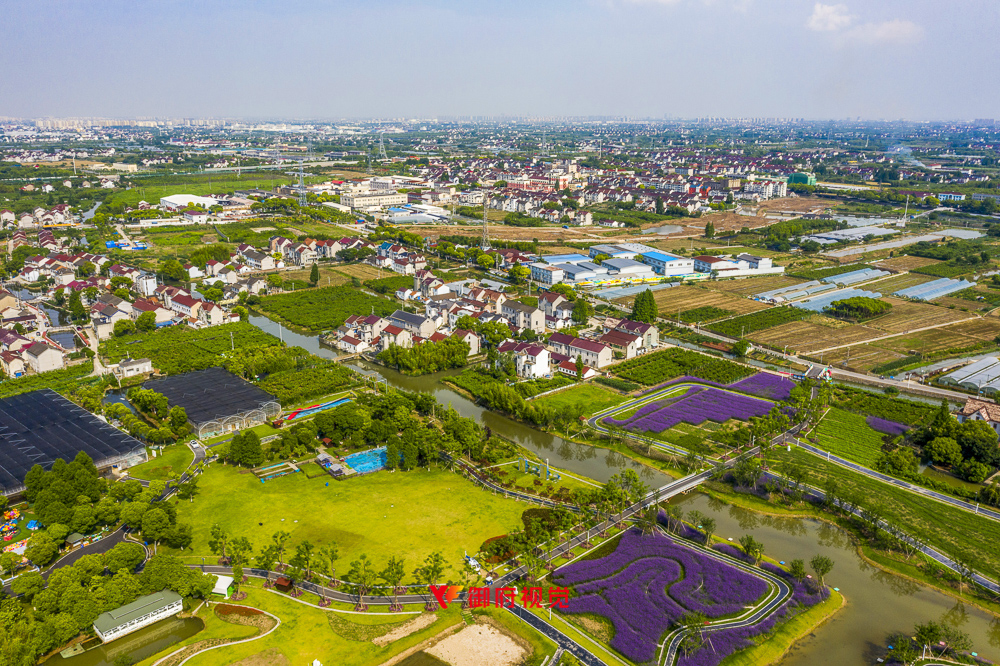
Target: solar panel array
[928,291]
[819,302]
[210,394]
[41,426]
[856,276]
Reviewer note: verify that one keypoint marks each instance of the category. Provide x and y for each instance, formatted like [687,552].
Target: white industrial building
[142,612]
[176,202]
[668,264]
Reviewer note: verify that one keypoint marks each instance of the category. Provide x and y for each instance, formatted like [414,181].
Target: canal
[138,646]
[878,603]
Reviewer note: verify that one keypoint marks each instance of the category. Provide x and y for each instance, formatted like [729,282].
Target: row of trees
[427,357]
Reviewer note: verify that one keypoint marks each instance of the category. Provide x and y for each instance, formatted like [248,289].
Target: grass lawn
[588,398]
[946,528]
[172,459]
[306,634]
[847,435]
[215,628]
[406,514]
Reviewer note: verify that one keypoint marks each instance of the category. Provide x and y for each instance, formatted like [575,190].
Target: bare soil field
[985,328]
[907,316]
[798,204]
[688,297]
[806,336]
[905,263]
[755,285]
[362,271]
[478,645]
[859,358]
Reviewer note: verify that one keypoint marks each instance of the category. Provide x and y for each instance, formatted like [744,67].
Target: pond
[878,603]
[142,644]
[65,339]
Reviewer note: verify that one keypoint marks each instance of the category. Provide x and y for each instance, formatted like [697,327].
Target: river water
[142,644]
[878,603]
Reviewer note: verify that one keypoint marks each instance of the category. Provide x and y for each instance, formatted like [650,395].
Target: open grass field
[407,514]
[846,434]
[905,263]
[588,398]
[216,629]
[688,297]
[362,272]
[755,285]
[329,275]
[946,528]
[306,633]
[174,459]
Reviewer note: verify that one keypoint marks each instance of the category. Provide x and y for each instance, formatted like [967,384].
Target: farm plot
[985,328]
[755,285]
[860,358]
[648,583]
[699,404]
[905,263]
[658,367]
[894,283]
[670,301]
[906,316]
[807,335]
[362,272]
[928,342]
[849,436]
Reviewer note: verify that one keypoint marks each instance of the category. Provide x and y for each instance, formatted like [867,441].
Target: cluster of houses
[39,217]
[398,259]
[447,303]
[305,252]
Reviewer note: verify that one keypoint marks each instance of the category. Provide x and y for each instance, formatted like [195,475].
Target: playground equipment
[529,467]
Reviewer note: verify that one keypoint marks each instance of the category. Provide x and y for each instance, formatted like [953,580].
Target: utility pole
[485,243]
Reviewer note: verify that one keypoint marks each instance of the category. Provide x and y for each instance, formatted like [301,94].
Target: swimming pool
[307,411]
[367,461]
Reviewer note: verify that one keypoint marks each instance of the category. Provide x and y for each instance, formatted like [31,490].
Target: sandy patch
[478,645]
[414,625]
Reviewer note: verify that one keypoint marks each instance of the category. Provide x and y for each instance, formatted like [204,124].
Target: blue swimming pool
[368,461]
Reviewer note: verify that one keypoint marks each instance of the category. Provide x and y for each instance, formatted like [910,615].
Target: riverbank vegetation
[427,357]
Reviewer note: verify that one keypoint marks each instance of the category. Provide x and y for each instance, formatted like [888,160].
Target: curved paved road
[899,483]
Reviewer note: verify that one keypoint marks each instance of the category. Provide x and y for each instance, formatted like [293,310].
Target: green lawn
[406,514]
[847,435]
[215,629]
[588,398]
[305,634]
[173,459]
[946,528]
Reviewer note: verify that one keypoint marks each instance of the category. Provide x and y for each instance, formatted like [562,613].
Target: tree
[519,274]
[328,555]
[393,574]
[754,549]
[155,524]
[582,311]
[709,230]
[303,558]
[362,575]
[125,555]
[173,270]
[28,584]
[76,309]
[41,549]
[314,274]
[797,569]
[944,451]
[644,308]
[267,557]
[219,540]
[124,327]
[741,348]
[280,538]
[928,634]
[821,565]
[486,261]
[242,312]
[708,529]
[8,563]
[146,322]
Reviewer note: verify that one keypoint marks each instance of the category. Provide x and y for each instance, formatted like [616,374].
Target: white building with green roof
[142,612]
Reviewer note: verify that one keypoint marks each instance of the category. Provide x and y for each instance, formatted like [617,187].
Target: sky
[327,59]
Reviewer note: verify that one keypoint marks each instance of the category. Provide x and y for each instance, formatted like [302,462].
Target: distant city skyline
[892,59]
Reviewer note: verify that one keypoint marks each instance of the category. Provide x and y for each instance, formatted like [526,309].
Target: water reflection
[957,616]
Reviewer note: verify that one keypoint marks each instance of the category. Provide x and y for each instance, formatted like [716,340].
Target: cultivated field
[984,328]
[807,335]
[907,316]
[363,272]
[755,285]
[687,297]
[894,283]
[860,357]
[905,263]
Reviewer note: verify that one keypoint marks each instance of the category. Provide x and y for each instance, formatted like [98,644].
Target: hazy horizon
[888,60]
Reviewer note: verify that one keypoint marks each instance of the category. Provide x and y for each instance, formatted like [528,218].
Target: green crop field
[325,308]
[847,435]
[758,321]
[406,514]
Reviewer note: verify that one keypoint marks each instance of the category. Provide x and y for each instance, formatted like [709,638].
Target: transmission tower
[381,147]
[302,186]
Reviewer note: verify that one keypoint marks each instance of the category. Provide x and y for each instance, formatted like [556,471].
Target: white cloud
[897,31]
[829,18]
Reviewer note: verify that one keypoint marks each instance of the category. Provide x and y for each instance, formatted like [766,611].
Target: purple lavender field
[885,426]
[648,583]
[765,385]
[710,404]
